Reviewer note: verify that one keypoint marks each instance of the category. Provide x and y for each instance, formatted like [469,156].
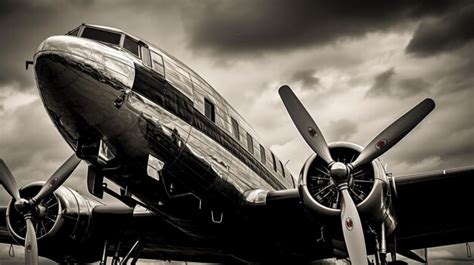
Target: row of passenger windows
[209,112]
[178,76]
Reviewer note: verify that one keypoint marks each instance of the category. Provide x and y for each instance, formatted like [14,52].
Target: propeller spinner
[341,173]
[30,207]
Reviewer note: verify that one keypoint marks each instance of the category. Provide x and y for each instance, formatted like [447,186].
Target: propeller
[8,181]
[305,124]
[341,173]
[394,133]
[30,207]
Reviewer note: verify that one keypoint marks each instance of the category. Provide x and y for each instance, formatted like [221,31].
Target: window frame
[263,156]
[162,64]
[145,54]
[235,128]
[139,55]
[83,29]
[274,162]
[282,169]
[212,117]
[250,146]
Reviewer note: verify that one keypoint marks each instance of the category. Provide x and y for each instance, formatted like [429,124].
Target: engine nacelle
[63,224]
[369,186]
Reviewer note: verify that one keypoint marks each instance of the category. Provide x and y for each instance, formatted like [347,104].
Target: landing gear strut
[134,252]
[381,245]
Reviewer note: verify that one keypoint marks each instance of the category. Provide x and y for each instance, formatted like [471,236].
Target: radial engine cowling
[62,224]
[369,186]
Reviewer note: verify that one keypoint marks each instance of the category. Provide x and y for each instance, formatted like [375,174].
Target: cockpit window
[131,45]
[100,35]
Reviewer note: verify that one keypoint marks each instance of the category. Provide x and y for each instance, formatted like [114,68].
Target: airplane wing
[124,227]
[4,234]
[430,208]
[434,208]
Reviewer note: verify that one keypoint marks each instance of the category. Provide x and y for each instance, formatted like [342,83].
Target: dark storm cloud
[388,83]
[444,34]
[24,25]
[257,26]
[306,77]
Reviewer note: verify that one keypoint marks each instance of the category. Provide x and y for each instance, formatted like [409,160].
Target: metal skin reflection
[79,80]
[199,185]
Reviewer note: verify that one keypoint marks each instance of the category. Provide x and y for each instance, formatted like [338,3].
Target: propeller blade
[305,124]
[58,178]
[352,229]
[31,245]
[394,133]
[8,181]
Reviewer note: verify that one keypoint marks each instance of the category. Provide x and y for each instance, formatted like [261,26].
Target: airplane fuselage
[197,182]
[149,121]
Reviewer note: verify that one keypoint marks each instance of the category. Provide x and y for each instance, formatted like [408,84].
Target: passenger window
[131,45]
[282,169]
[146,58]
[209,110]
[250,143]
[235,128]
[157,63]
[102,36]
[274,162]
[262,154]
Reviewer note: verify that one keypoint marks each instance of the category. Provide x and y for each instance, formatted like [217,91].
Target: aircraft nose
[79,80]
[77,57]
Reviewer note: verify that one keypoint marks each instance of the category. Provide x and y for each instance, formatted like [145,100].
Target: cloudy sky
[356,66]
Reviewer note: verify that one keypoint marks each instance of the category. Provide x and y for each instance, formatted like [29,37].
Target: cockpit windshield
[131,45]
[101,35]
[116,39]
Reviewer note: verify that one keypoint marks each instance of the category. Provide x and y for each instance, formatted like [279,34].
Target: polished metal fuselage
[79,80]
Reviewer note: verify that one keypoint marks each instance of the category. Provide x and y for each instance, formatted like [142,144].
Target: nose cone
[62,61]
[79,79]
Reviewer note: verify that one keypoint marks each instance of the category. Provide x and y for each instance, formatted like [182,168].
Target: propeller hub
[42,211]
[339,172]
[24,206]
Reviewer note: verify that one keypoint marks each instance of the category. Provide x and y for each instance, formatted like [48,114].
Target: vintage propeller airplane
[197,182]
